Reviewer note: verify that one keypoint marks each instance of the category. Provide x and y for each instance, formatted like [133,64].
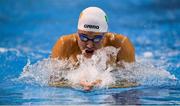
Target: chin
[88,55]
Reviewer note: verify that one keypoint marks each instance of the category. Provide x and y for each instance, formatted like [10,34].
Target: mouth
[89,51]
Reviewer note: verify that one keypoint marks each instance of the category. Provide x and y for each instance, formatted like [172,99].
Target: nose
[90,44]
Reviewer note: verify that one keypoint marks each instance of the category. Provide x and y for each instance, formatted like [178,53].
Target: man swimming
[92,34]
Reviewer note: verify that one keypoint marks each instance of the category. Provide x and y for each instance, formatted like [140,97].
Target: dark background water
[29,29]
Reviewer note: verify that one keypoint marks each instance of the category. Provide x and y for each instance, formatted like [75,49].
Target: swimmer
[92,34]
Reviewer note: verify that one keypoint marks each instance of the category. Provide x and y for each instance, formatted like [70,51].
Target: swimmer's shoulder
[68,38]
[127,50]
[67,41]
[64,46]
[114,36]
[114,39]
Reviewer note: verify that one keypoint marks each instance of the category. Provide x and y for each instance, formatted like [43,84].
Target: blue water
[29,29]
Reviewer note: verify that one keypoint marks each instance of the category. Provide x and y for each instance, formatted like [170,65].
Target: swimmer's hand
[87,86]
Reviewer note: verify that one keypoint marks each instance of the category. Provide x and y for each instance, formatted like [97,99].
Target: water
[28,31]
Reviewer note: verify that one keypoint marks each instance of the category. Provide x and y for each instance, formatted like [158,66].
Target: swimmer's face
[89,42]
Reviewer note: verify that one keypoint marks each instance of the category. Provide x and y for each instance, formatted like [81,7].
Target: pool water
[29,29]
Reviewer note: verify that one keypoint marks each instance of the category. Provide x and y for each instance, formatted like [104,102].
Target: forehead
[90,34]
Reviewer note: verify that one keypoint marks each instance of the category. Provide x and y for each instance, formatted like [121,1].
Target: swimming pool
[29,29]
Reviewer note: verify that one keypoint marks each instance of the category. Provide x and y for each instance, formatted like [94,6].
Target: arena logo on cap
[91,26]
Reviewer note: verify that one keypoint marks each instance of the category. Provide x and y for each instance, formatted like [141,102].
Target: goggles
[84,38]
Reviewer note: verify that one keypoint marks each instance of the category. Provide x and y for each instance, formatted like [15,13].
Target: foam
[148,54]
[3,50]
[98,67]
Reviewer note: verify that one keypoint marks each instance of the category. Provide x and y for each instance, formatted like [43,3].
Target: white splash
[3,50]
[148,54]
[41,71]
[98,67]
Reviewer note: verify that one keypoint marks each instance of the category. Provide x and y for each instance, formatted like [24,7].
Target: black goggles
[84,38]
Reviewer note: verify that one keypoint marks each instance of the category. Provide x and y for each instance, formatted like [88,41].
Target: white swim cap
[93,19]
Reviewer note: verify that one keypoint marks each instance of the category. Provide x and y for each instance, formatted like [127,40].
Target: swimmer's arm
[96,82]
[127,52]
[89,85]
